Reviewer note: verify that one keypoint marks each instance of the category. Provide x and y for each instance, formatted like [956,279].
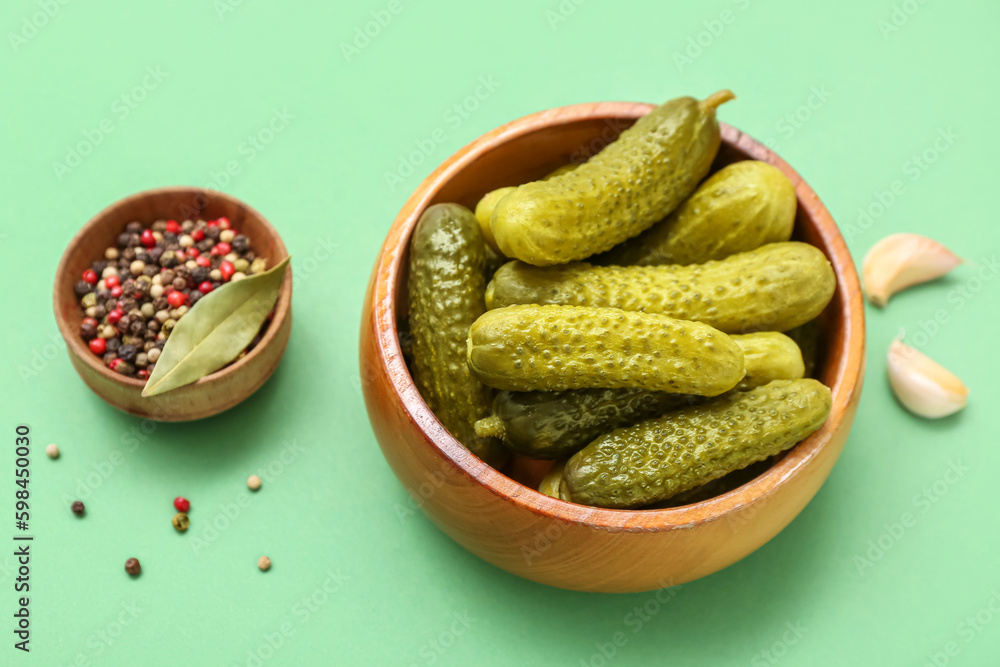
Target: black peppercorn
[195,296]
[138,328]
[123,367]
[99,266]
[100,311]
[87,331]
[159,226]
[161,303]
[123,239]
[240,244]
[152,327]
[179,283]
[127,352]
[200,274]
[204,245]
[154,254]
[132,566]
[150,269]
[128,254]
[103,294]
[82,287]
[111,304]
[212,232]
[113,344]
[77,507]
[133,241]
[169,238]
[249,255]
[134,227]
[122,324]
[168,259]
[109,357]
[128,303]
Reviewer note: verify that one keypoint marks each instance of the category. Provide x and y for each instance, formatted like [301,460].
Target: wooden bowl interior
[534,153]
[179,204]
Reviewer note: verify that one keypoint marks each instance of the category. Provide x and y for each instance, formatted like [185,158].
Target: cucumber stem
[713,101]
[490,427]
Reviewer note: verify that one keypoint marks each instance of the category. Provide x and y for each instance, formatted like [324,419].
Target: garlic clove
[901,260]
[921,384]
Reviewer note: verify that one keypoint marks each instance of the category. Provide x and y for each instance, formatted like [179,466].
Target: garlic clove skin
[901,260]
[924,386]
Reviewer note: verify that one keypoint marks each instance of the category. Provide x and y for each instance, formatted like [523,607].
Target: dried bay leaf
[216,330]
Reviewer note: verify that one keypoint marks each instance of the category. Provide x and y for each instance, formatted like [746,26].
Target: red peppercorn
[194,252]
[98,346]
[226,269]
[203,261]
[223,248]
[90,276]
[205,287]
[115,315]
[147,238]
[198,235]
[176,298]
[142,374]
[112,281]
[90,320]
[182,504]
[173,227]
[116,291]
[223,222]
[114,364]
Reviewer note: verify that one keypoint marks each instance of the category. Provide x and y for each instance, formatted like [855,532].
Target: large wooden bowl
[562,544]
[211,394]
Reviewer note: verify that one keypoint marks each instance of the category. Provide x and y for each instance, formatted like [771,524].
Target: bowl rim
[848,374]
[75,343]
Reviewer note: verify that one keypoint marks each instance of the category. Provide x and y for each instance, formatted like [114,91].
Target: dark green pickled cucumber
[660,458]
[446,285]
[551,425]
[740,207]
[773,288]
[623,190]
[526,348]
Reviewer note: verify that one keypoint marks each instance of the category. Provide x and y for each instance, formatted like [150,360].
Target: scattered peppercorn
[182,504]
[52,451]
[253,482]
[77,507]
[181,522]
[132,566]
[264,563]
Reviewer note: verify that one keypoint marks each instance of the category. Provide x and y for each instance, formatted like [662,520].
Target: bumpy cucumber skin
[446,285]
[552,348]
[773,288]
[740,207]
[660,458]
[555,424]
[631,184]
[768,356]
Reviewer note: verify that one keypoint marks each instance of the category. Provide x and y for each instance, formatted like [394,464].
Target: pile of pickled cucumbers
[647,325]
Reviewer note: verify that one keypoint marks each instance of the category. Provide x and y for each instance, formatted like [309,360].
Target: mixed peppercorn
[135,296]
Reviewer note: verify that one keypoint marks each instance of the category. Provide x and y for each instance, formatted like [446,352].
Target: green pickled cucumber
[526,348]
[446,286]
[660,458]
[768,356]
[773,288]
[554,424]
[623,190]
[484,209]
[740,207]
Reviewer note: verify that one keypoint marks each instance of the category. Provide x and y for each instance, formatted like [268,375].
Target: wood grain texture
[216,392]
[559,543]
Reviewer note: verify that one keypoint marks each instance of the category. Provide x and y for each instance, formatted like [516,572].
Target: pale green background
[333,506]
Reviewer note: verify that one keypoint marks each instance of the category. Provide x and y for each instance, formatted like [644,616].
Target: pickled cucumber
[554,424]
[528,347]
[660,458]
[484,209]
[773,288]
[446,285]
[552,480]
[623,190]
[740,207]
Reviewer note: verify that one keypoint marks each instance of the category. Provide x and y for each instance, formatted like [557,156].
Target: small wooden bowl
[211,394]
[551,541]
